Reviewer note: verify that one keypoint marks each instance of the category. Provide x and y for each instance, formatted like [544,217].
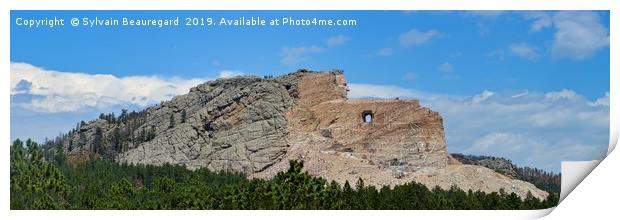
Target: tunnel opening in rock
[367,116]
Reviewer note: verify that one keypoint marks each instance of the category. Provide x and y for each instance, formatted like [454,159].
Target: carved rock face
[394,134]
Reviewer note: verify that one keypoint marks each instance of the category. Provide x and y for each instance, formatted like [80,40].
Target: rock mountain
[256,125]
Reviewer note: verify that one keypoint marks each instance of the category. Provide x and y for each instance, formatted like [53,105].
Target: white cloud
[231,73]
[524,50]
[385,51]
[417,38]
[535,129]
[519,95]
[579,34]
[446,68]
[602,101]
[541,19]
[486,94]
[509,142]
[295,55]
[337,40]
[563,94]
[65,91]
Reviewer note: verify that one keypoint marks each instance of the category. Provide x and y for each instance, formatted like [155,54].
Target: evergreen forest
[42,180]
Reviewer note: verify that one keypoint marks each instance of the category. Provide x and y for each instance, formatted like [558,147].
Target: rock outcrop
[255,125]
[231,124]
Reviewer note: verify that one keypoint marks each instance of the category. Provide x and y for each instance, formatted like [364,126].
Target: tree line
[120,134]
[545,180]
[38,183]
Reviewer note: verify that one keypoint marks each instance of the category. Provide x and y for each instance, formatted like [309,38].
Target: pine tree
[70,147]
[82,140]
[98,141]
[151,132]
[171,125]
[123,115]
[59,154]
[35,183]
[183,116]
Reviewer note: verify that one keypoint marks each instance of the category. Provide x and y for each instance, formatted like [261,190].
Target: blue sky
[528,85]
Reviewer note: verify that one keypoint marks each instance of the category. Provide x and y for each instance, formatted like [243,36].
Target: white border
[602,177]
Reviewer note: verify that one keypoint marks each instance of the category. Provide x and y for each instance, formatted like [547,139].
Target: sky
[531,86]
